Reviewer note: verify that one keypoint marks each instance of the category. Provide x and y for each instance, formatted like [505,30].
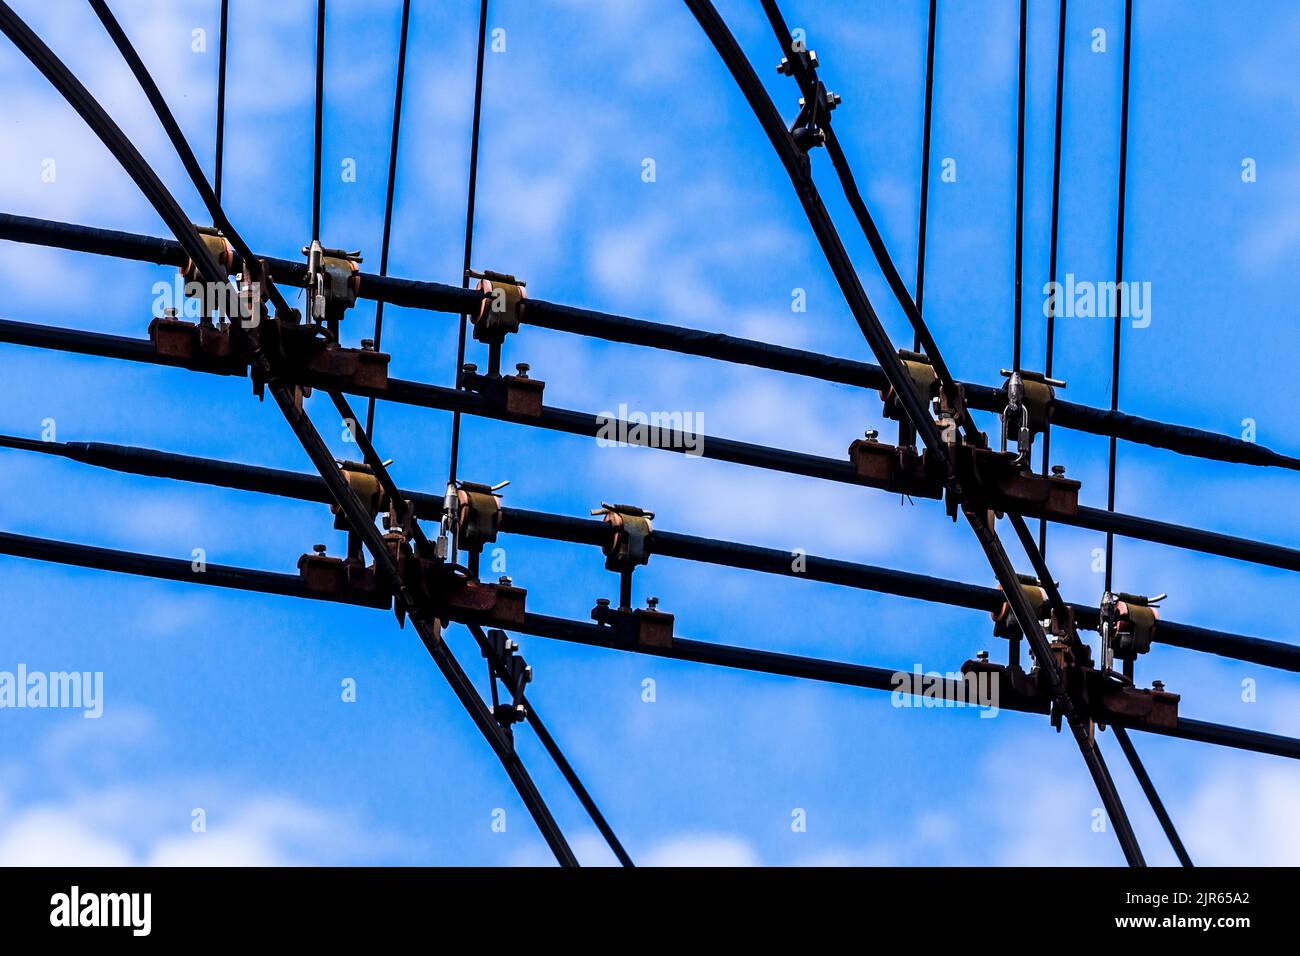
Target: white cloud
[703,849]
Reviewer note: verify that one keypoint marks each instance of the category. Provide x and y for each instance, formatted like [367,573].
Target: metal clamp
[513,671]
[333,281]
[471,518]
[808,130]
[1129,625]
[1030,397]
[502,308]
[925,383]
[218,247]
[1004,619]
[893,468]
[646,627]
[629,544]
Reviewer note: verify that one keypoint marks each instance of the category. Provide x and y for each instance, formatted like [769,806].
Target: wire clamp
[476,519]
[333,281]
[892,468]
[1128,623]
[1028,412]
[636,629]
[629,544]
[509,667]
[515,394]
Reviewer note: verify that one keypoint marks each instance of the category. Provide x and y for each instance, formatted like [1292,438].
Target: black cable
[470,196]
[350,505]
[923,214]
[593,635]
[440,297]
[1055,230]
[797,167]
[668,544]
[423,395]
[320,119]
[1020,184]
[221,99]
[1119,276]
[1149,788]
[562,763]
[388,199]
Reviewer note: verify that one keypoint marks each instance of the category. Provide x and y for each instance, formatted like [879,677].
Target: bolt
[522,369]
[1157,685]
[652,603]
[872,434]
[783,67]
[812,59]
[833,100]
[982,657]
[469,368]
[318,548]
[602,602]
[368,345]
[504,580]
[1058,471]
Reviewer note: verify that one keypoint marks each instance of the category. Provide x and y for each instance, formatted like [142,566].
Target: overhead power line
[589,425]
[913,407]
[593,635]
[554,527]
[437,297]
[349,504]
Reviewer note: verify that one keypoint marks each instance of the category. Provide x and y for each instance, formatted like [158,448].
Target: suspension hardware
[1128,625]
[333,281]
[1028,412]
[342,577]
[628,546]
[363,482]
[203,344]
[477,518]
[305,353]
[218,247]
[1002,481]
[893,468]
[646,627]
[508,666]
[925,383]
[515,394]
[500,311]
[1004,619]
[808,129]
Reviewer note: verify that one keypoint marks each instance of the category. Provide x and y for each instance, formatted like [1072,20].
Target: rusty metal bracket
[1138,707]
[324,574]
[515,394]
[1002,482]
[893,468]
[203,344]
[633,629]
[305,353]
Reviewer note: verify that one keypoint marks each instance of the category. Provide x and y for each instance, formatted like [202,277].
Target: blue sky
[231,702]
